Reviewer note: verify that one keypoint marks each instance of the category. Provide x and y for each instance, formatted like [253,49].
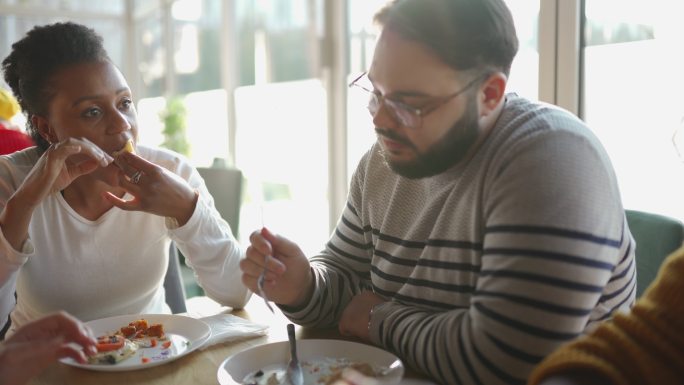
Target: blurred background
[261,85]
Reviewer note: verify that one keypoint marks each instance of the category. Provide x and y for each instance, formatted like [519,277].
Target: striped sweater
[491,265]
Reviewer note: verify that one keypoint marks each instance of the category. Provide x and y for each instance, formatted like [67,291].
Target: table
[199,367]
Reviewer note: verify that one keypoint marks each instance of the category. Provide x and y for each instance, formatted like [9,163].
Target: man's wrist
[303,302]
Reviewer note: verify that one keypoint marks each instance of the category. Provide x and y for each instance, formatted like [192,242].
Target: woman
[645,346]
[84,226]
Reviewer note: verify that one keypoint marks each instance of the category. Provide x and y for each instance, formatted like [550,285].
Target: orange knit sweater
[645,346]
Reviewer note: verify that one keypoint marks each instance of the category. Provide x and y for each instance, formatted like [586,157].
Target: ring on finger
[135,178]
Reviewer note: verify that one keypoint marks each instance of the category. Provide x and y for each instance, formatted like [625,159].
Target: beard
[447,152]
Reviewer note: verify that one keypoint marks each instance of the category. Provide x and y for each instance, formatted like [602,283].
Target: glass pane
[275,41]
[524,78]
[362,36]
[631,97]
[115,7]
[207,137]
[13,28]
[282,149]
[150,52]
[142,7]
[197,26]
[281,121]
[150,126]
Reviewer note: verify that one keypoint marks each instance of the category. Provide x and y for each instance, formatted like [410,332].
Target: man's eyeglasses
[408,116]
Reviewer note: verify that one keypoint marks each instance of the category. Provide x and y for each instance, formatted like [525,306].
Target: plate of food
[139,341]
[322,362]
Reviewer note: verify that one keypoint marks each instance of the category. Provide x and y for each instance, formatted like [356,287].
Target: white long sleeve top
[116,264]
[491,265]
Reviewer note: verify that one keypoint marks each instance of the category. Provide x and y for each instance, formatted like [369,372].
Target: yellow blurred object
[128,147]
[8,105]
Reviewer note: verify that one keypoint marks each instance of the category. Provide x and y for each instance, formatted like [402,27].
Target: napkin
[227,327]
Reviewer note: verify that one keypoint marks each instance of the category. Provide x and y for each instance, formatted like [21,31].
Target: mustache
[393,136]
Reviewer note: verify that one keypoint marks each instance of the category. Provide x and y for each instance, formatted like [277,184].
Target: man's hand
[355,317]
[289,280]
[38,344]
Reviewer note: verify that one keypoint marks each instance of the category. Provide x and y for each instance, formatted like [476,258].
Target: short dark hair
[465,34]
[38,56]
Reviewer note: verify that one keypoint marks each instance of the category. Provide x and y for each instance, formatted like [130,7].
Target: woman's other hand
[155,189]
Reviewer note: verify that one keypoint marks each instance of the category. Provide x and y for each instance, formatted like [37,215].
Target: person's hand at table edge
[38,344]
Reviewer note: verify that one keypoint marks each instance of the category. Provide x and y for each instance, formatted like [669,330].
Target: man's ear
[43,127]
[492,92]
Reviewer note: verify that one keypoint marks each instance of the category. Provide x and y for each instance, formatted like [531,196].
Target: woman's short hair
[42,52]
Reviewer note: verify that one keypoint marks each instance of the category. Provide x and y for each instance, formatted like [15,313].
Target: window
[150,66]
[281,121]
[183,63]
[631,97]
[524,77]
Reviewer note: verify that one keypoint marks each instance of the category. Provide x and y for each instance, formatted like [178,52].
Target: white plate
[236,367]
[186,334]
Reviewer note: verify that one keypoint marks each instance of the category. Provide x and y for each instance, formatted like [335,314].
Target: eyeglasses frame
[421,112]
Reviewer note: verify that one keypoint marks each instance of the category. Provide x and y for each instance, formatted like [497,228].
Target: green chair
[656,237]
[225,186]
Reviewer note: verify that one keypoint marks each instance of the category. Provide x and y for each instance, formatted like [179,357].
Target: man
[481,231]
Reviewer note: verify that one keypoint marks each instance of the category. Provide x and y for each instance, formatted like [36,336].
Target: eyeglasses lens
[406,118]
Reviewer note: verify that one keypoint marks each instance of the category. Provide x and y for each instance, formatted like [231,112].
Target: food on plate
[361,367]
[128,147]
[124,342]
[144,334]
[113,349]
[325,371]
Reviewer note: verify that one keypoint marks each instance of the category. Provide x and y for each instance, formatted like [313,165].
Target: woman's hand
[59,165]
[155,189]
[38,344]
[288,280]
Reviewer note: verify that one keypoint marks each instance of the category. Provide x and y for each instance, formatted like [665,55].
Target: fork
[294,369]
[260,286]
[262,276]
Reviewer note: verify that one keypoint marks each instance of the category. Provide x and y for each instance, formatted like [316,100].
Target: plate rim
[225,378]
[197,343]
